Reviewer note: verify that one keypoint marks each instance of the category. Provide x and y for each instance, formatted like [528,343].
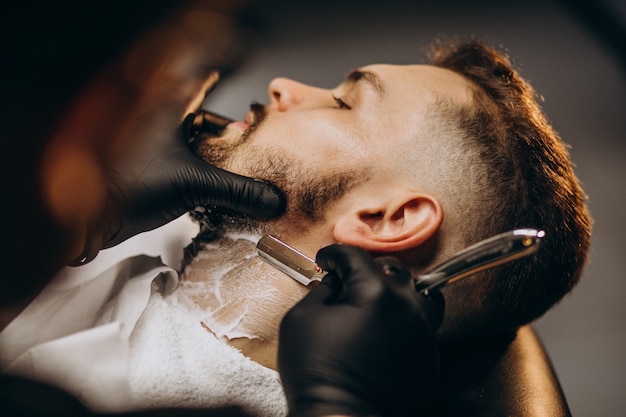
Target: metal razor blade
[483,255]
[289,260]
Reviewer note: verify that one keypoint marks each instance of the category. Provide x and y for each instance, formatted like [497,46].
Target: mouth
[242,126]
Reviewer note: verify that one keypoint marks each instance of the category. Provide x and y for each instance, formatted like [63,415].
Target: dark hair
[529,168]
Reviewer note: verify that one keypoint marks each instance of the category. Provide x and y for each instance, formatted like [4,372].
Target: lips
[240,125]
[253,117]
[249,118]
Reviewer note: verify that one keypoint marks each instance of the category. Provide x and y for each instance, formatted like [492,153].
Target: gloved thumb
[434,308]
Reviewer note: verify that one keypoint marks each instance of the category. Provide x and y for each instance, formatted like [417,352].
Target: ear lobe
[399,225]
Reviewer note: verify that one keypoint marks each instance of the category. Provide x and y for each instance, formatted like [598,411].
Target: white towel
[118,346]
[75,337]
[176,362]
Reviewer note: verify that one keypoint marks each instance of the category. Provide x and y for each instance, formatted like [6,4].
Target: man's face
[315,143]
[327,150]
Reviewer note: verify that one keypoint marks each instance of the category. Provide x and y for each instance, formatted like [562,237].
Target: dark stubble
[309,195]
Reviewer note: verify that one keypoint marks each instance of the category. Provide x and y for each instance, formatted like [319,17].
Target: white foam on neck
[233,292]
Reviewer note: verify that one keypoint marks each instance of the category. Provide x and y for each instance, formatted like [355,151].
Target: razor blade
[483,255]
[289,260]
[494,251]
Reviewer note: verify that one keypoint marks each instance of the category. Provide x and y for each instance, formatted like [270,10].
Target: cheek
[311,141]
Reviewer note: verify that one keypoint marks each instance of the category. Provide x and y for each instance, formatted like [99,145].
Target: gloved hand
[362,342]
[158,181]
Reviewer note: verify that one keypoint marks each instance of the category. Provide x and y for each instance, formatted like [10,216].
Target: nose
[286,94]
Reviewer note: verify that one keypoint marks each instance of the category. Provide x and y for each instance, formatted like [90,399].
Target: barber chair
[499,377]
[502,377]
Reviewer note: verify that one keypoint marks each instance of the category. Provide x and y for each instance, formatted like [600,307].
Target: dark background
[573,55]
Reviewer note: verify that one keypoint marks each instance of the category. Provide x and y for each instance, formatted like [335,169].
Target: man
[417,162]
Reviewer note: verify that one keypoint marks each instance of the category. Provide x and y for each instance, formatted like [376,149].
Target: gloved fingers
[195,124]
[215,186]
[306,312]
[186,181]
[222,188]
[354,276]
[399,277]
[360,277]
[394,269]
[246,195]
[434,307]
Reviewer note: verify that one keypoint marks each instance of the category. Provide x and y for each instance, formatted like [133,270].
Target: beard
[309,194]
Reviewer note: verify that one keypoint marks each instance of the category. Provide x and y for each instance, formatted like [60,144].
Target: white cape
[104,333]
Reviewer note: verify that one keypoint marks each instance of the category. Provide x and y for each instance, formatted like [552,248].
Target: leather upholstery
[502,377]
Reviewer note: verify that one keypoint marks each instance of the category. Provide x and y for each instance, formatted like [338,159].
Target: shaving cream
[233,292]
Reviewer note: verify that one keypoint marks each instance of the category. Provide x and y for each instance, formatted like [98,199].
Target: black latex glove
[158,181]
[362,342]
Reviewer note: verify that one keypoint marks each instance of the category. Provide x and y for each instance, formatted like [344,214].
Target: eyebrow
[370,78]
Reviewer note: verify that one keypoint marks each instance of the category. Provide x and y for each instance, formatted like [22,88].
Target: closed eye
[341,104]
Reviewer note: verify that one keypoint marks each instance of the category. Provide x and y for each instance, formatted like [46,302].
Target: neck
[237,296]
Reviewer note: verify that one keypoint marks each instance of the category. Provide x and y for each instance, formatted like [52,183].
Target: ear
[399,224]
